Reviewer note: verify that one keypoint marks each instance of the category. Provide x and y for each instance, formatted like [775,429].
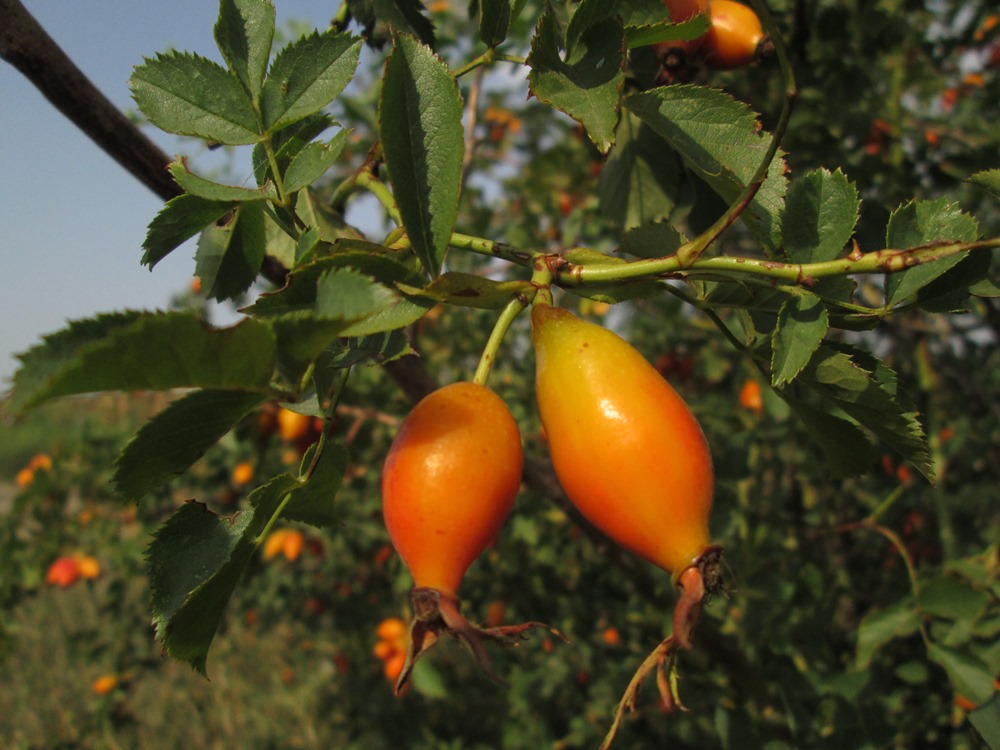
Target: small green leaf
[820,213]
[344,294]
[420,123]
[244,33]
[313,161]
[377,348]
[720,139]
[471,290]
[177,222]
[214,191]
[652,240]
[313,502]
[194,563]
[881,626]
[380,18]
[300,338]
[968,675]
[986,720]
[145,351]
[846,450]
[924,223]
[951,599]
[177,437]
[642,178]
[494,21]
[189,95]
[802,323]
[989,179]
[230,255]
[643,36]
[866,389]
[287,143]
[633,14]
[588,84]
[307,75]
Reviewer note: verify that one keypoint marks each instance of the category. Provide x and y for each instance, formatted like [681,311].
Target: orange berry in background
[196,285]
[751,397]
[88,566]
[292,426]
[24,477]
[293,544]
[274,543]
[384,650]
[391,629]
[393,666]
[242,473]
[64,572]
[105,684]
[611,636]
[41,461]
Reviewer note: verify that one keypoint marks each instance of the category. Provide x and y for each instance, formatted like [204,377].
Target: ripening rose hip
[625,447]
[735,36]
[448,484]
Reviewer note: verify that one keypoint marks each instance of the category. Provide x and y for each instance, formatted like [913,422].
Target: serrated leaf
[970,676]
[244,33]
[177,437]
[643,36]
[214,191]
[377,348]
[300,338]
[307,75]
[313,502]
[989,179]
[641,179]
[881,626]
[287,143]
[587,85]
[230,255]
[194,563]
[383,17]
[950,291]
[420,123]
[494,21]
[820,213]
[652,240]
[344,294]
[846,450]
[802,324]
[470,290]
[145,351]
[924,223]
[189,95]
[867,390]
[177,222]
[633,14]
[720,139]
[313,161]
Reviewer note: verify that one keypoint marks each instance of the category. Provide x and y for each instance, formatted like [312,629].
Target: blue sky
[72,221]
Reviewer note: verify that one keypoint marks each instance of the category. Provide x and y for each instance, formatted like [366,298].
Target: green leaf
[634,15]
[420,123]
[643,36]
[494,21]
[230,255]
[145,351]
[881,626]
[986,720]
[989,179]
[307,75]
[846,450]
[587,85]
[802,323]
[383,17]
[925,223]
[652,240]
[345,294]
[471,290]
[951,599]
[300,338]
[177,222]
[244,33]
[720,139]
[820,213]
[189,95]
[641,179]
[377,348]
[313,502]
[214,191]
[287,143]
[313,161]
[177,437]
[969,676]
[194,563]
[866,390]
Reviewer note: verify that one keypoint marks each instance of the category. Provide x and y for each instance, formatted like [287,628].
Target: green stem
[368,181]
[494,249]
[272,160]
[691,251]
[489,355]
[489,57]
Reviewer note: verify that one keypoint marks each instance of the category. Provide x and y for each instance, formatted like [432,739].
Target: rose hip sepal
[437,613]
